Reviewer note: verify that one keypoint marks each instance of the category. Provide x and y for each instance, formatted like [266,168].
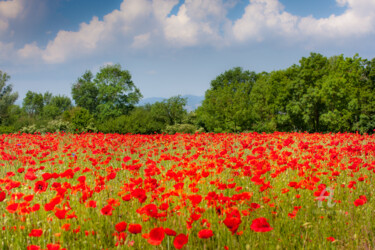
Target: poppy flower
[40,186]
[91,203]
[260,225]
[121,226]
[53,247]
[180,240]
[359,202]
[135,228]
[151,210]
[331,239]
[205,233]
[33,247]
[156,236]
[170,232]
[233,221]
[106,210]
[2,196]
[30,175]
[12,208]
[36,233]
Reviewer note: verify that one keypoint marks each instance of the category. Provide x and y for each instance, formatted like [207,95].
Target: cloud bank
[140,24]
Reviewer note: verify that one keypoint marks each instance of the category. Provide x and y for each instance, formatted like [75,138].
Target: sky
[172,47]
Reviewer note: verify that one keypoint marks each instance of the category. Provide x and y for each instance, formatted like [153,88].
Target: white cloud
[141,41]
[30,51]
[9,10]
[197,22]
[357,20]
[142,23]
[265,17]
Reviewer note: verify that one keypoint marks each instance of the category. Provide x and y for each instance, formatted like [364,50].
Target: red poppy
[53,246]
[33,247]
[40,186]
[91,203]
[170,232]
[106,210]
[12,208]
[135,228]
[331,239]
[156,236]
[260,225]
[151,210]
[180,240]
[30,175]
[28,197]
[121,226]
[205,233]
[233,221]
[2,196]
[36,233]
[60,213]
[359,202]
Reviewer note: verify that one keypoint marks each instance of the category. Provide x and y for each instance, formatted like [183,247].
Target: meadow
[187,191]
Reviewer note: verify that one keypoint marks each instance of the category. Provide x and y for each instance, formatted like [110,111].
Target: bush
[31,129]
[180,128]
[57,126]
[81,121]
[7,129]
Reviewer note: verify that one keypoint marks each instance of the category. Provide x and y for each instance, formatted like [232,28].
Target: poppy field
[182,191]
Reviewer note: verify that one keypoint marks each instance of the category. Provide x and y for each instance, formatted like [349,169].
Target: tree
[85,92]
[306,104]
[112,93]
[226,107]
[170,111]
[7,98]
[33,103]
[56,106]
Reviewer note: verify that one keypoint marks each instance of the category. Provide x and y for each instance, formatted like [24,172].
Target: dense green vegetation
[319,94]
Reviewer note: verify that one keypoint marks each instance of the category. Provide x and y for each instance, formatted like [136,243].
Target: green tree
[7,98]
[110,94]
[226,107]
[33,103]
[85,92]
[306,105]
[170,111]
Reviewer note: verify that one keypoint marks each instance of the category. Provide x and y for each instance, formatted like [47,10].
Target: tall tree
[306,105]
[226,106]
[85,92]
[33,103]
[170,111]
[110,94]
[7,98]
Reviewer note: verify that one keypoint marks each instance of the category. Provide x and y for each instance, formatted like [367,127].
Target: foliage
[110,94]
[80,120]
[7,98]
[170,111]
[319,94]
[7,129]
[180,128]
[226,107]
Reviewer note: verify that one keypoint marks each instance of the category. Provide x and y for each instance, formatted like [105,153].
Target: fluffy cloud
[265,17]
[9,10]
[141,23]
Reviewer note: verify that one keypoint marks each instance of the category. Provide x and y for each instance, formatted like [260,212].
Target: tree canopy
[7,97]
[110,94]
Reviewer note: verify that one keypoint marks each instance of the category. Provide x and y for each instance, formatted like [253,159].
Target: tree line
[319,94]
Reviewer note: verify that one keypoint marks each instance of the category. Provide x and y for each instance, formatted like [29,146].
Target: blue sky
[173,47]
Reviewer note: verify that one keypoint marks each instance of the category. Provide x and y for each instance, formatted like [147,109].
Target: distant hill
[193,102]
